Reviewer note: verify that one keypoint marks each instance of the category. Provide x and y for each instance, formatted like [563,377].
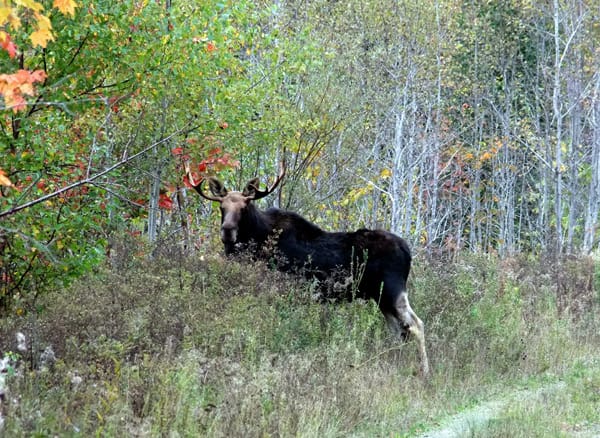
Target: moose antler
[258,194]
[198,186]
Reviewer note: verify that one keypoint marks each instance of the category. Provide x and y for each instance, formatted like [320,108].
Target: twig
[90,179]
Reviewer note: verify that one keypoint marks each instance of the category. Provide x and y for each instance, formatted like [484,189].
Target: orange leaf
[15,85]
[15,101]
[4,181]
[37,76]
[7,44]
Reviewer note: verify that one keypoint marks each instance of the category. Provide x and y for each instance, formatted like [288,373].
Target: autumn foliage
[15,86]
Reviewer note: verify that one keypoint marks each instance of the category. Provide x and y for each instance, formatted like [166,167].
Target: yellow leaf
[14,21]
[65,6]
[486,156]
[41,37]
[30,4]
[385,173]
[43,22]
[4,14]
[8,15]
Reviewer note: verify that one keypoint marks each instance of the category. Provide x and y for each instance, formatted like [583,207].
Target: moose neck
[254,226]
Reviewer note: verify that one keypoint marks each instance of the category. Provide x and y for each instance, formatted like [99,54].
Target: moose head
[236,207]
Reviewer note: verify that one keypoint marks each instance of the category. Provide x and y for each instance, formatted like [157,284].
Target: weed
[206,346]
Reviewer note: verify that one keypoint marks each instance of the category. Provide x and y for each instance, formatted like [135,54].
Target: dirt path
[463,423]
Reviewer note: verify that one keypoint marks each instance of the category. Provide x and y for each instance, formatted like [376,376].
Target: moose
[384,258]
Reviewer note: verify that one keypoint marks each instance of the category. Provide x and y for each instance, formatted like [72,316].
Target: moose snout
[228,233]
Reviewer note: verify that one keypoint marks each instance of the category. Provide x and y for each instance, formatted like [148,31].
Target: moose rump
[380,259]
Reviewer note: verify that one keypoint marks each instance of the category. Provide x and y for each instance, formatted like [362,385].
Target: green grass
[190,347]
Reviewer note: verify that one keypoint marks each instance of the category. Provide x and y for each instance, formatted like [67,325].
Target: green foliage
[122,77]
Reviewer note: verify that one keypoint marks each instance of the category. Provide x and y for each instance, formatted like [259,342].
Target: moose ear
[251,187]
[216,187]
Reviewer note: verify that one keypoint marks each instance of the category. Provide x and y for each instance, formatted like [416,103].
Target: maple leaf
[14,86]
[13,98]
[43,22]
[164,201]
[41,38]
[30,4]
[7,44]
[4,181]
[4,14]
[37,76]
[7,14]
[43,34]
[65,6]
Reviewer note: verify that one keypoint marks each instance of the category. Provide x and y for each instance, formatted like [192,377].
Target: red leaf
[164,201]
[177,151]
[7,44]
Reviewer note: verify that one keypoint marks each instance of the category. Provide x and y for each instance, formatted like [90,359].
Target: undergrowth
[208,346]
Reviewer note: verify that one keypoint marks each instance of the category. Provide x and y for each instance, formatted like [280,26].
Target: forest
[469,128]
[457,125]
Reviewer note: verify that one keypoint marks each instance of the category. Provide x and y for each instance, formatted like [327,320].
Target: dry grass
[220,348]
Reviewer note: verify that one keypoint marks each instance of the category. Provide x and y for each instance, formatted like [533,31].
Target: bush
[211,346]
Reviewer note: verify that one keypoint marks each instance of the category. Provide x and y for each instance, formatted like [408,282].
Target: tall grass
[214,347]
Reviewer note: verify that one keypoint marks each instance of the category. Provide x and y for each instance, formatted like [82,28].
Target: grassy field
[213,347]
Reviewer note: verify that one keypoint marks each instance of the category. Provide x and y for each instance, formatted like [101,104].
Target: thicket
[459,125]
[221,347]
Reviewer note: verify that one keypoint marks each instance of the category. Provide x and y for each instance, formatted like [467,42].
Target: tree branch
[92,178]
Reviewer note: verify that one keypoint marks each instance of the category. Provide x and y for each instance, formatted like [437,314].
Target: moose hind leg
[408,320]
[396,327]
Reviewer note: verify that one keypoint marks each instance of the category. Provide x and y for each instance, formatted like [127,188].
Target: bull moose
[385,258]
